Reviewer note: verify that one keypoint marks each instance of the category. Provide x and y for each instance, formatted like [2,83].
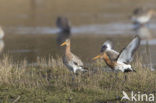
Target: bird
[120,61]
[142,16]
[64,27]
[72,62]
[1,33]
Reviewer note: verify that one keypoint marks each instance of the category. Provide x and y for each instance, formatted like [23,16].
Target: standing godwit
[120,62]
[64,29]
[141,16]
[72,62]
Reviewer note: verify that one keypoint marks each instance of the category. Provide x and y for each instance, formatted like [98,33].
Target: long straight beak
[98,56]
[64,43]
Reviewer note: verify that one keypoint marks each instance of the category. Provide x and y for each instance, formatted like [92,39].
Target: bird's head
[106,45]
[138,11]
[66,43]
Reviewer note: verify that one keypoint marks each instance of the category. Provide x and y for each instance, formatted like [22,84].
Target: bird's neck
[108,60]
[67,51]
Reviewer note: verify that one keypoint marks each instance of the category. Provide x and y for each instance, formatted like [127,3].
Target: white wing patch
[127,53]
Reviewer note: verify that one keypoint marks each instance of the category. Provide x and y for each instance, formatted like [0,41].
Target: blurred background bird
[64,27]
[142,16]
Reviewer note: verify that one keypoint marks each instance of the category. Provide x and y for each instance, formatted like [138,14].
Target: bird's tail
[85,69]
[129,70]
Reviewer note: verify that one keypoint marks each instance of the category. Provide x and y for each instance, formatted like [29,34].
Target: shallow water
[30,28]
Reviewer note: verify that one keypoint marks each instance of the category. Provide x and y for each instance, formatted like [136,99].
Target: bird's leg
[116,79]
[116,76]
[125,78]
[148,55]
[73,75]
[73,79]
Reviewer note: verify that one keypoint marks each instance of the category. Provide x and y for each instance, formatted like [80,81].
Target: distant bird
[63,24]
[72,62]
[141,16]
[120,62]
[1,33]
[64,29]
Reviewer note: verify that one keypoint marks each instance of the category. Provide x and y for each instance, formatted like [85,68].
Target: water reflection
[35,6]
[147,40]
[95,18]
[143,32]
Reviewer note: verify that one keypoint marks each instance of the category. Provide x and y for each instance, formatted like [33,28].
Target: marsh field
[31,67]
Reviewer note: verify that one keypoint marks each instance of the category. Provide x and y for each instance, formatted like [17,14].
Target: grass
[51,82]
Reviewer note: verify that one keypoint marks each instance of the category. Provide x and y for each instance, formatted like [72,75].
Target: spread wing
[126,55]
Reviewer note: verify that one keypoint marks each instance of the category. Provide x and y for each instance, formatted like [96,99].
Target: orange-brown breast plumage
[108,61]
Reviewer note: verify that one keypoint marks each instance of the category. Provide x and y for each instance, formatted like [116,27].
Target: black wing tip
[127,70]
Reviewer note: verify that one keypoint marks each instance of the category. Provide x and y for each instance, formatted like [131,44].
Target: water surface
[31,32]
